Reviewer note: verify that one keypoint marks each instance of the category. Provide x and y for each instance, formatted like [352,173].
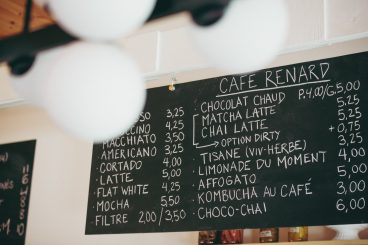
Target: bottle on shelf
[269,235]
[298,233]
[207,237]
[231,236]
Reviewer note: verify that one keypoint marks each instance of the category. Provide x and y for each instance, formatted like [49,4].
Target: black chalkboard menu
[16,163]
[286,146]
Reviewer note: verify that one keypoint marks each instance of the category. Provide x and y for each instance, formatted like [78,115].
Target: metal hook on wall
[173,80]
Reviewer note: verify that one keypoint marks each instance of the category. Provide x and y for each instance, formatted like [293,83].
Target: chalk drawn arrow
[215,143]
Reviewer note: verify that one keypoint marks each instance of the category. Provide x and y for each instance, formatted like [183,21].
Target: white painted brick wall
[346,17]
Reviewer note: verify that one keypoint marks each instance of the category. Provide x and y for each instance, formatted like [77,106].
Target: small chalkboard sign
[286,146]
[16,163]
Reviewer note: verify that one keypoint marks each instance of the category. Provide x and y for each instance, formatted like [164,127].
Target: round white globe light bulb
[94,91]
[246,38]
[100,20]
[30,85]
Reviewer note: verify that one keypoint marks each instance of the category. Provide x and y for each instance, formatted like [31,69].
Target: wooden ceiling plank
[12,14]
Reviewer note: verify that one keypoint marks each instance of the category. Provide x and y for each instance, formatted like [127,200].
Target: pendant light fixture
[93,89]
[246,38]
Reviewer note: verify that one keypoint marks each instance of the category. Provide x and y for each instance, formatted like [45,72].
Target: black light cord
[22,64]
[27,16]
